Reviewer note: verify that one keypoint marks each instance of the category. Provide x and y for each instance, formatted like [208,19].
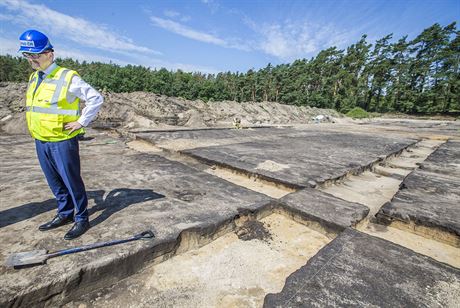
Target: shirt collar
[49,69]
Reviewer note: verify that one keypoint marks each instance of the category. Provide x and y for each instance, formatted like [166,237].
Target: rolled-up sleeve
[93,99]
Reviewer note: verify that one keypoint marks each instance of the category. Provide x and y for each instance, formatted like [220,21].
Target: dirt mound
[253,229]
[143,110]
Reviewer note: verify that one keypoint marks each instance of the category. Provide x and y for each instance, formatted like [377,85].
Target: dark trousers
[60,162]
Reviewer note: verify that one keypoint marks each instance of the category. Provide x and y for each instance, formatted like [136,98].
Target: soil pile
[144,110]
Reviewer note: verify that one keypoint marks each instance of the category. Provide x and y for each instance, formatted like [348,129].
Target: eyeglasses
[34,56]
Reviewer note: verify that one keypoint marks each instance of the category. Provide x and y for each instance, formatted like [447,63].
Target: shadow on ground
[25,211]
[115,201]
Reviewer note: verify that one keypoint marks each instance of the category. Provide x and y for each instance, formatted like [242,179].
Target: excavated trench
[254,254]
[236,266]
[377,186]
[238,177]
[236,269]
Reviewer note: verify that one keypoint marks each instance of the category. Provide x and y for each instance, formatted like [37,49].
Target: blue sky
[213,35]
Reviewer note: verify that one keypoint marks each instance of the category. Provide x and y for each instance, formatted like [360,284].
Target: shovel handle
[144,235]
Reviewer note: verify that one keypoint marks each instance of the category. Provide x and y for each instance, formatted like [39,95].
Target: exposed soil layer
[233,271]
[143,110]
[314,155]
[357,269]
[376,189]
[128,192]
[430,197]
[252,230]
[175,189]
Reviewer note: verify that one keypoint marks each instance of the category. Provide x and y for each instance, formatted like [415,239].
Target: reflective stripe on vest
[50,106]
[60,83]
[53,110]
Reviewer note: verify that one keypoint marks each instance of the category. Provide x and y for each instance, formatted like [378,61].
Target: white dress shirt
[79,88]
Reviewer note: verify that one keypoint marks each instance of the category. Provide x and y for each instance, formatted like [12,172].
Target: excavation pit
[189,203]
[377,191]
[295,158]
[236,270]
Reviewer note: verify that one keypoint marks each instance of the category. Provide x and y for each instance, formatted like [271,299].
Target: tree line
[421,76]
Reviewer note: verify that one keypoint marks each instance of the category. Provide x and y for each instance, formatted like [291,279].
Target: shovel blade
[26,259]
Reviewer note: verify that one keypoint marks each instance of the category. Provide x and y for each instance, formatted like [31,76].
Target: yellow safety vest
[50,105]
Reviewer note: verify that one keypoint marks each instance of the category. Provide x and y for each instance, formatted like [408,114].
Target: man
[54,121]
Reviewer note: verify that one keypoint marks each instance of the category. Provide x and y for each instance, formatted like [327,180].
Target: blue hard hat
[34,41]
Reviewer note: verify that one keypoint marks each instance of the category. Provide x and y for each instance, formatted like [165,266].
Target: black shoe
[56,222]
[78,229]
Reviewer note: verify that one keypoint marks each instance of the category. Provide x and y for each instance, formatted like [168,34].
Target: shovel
[36,257]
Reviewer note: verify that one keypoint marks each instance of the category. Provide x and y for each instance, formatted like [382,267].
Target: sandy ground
[373,189]
[253,183]
[229,272]
[145,110]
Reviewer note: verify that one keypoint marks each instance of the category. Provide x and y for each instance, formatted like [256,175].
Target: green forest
[418,76]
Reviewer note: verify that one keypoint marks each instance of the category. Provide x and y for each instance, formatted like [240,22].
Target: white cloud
[190,33]
[11,46]
[213,5]
[75,29]
[171,13]
[186,31]
[6,17]
[176,15]
[65,52]
[289,40]
[8,47]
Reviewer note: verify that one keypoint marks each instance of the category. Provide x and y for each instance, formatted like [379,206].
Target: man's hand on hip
[73,126]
